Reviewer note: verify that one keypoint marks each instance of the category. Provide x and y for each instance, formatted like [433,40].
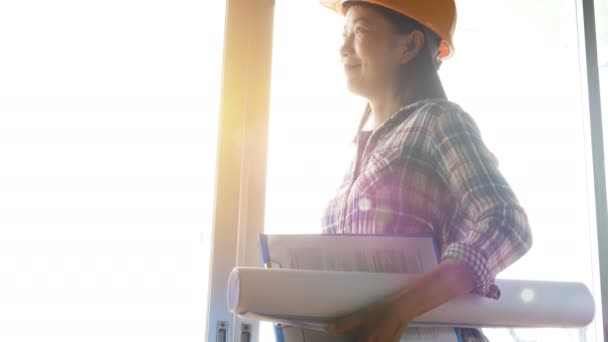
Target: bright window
[108,120]
[516,70]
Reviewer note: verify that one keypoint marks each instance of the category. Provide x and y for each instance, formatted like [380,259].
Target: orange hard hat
[439,16]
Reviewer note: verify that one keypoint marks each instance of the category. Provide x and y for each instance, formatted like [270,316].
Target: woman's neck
[384,106]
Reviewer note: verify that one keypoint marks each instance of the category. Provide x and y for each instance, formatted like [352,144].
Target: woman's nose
[347,46]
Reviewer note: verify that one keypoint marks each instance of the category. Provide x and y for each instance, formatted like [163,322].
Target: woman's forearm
[447,281]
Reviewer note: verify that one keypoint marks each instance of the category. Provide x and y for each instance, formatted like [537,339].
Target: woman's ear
[410,45]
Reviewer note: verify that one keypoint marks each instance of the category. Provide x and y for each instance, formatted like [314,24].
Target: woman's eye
[360,29]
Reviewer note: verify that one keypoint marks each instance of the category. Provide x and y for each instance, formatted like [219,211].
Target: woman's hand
[383,322]
[386,320]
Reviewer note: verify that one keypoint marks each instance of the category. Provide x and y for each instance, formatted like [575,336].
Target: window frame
[595,133]
[241,158]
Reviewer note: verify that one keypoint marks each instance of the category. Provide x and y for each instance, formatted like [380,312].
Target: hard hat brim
[446,48]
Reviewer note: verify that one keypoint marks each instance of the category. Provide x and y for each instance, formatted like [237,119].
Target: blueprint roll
[288,294]
[305,293]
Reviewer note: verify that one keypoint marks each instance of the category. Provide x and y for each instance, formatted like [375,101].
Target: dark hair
[423,66]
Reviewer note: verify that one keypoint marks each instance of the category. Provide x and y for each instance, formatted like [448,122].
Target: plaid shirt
[427,170]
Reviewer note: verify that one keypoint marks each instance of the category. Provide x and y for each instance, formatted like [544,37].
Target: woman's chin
[355,87]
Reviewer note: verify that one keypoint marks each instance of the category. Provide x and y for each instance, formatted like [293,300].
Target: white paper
[296,334]
[300,295]
[316,330]
[388,254]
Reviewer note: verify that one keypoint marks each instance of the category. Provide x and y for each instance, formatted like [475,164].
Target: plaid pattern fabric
[427,170]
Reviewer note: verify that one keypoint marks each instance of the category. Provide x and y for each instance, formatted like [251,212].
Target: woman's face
[370,53]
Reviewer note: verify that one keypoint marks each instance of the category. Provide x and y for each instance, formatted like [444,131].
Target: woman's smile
[351,67]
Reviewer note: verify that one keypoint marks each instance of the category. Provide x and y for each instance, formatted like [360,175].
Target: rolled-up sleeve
[499,232]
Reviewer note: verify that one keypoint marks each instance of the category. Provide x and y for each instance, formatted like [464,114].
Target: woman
[422,167]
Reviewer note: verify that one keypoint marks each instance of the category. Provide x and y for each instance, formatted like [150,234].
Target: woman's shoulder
[423,117]
[437,114]
[448,124]
[414,124]
[420,124]
[434,108]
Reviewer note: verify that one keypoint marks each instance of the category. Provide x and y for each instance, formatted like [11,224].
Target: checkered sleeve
[499,233]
